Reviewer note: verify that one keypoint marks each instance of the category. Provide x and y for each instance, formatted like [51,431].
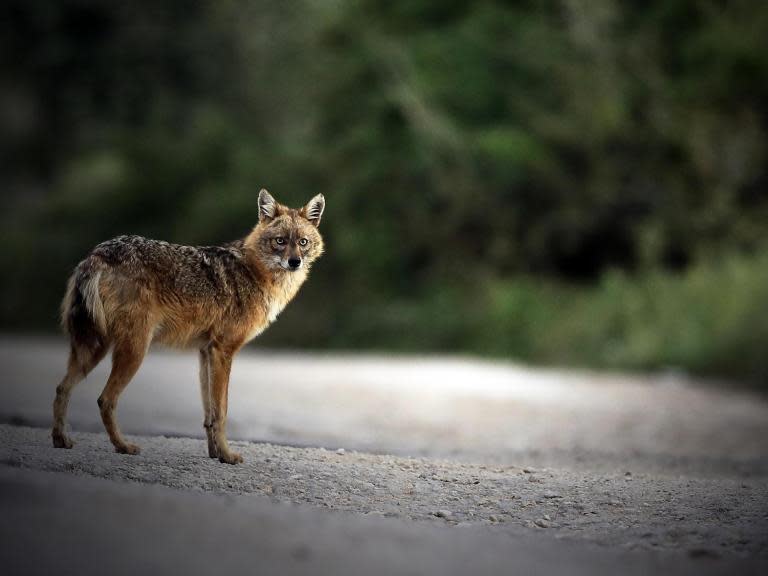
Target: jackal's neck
[289,282]
[280,290]
[250,249]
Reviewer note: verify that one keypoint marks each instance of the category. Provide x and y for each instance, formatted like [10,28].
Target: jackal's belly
[192,331]
[175,336]
[184,325]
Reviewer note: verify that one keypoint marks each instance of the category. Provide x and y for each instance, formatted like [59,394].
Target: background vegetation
[557,181]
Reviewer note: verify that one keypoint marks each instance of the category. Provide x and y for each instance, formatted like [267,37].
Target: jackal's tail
[82,310]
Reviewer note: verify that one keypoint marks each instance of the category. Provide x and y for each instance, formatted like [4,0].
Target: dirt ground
[60,523]
[662,468]
[632,510]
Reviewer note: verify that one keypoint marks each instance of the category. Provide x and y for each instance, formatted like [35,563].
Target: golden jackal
[132,291]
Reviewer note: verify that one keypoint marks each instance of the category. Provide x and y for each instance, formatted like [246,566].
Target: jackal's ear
[267,205]
[313,211]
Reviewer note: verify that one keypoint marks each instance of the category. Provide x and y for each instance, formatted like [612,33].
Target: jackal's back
[181,292]
[218,274]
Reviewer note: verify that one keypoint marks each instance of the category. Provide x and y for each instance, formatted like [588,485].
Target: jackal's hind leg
[205,393]
[126,359]
[81,361]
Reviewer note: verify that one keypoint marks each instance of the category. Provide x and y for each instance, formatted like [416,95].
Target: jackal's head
[287,238]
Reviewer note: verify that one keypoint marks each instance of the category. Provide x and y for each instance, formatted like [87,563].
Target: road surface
[429,465]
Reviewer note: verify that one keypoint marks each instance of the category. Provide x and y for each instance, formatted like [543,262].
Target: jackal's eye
[303,242]
[280,240]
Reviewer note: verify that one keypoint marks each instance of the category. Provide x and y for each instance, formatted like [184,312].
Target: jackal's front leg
[205,393]
[220,362]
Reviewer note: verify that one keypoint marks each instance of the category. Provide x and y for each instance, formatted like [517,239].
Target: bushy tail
[82,311]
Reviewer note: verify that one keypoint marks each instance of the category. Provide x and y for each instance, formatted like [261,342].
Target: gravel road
[712,517]
[59,523]
[667,470]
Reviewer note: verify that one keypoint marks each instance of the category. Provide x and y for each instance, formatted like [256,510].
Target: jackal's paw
[213,452]
[230,458]
[62,441]
[127,449]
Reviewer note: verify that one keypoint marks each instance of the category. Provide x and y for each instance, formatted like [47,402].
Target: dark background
[572,182]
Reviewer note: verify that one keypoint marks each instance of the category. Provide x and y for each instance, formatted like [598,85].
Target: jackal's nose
[294,262]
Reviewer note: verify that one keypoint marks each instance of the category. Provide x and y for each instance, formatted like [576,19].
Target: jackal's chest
[274,303]
[262,321]
[274,309]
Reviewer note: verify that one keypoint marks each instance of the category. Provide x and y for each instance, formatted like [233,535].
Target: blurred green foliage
[560,181]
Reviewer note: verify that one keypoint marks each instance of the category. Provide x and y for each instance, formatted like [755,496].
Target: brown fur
[132,291]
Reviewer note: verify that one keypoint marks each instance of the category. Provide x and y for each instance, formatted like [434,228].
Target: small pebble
[443,514]
[341,451]
[541,523]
